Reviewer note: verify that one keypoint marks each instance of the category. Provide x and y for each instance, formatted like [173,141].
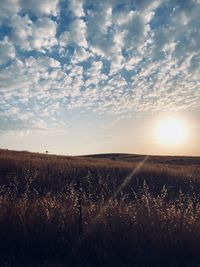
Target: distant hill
[180,160]
[177,160]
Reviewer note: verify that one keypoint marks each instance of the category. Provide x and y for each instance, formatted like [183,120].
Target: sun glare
[171,131]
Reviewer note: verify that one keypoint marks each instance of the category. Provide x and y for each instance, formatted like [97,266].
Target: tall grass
[153,221]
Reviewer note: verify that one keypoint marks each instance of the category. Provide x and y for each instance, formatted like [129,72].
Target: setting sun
[171,131]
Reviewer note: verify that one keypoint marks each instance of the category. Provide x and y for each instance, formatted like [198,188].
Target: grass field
[99,210]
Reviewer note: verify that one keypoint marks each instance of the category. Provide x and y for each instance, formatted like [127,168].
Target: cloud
[80,54]
[76,34]
[97,55]
[33,36]
[7,51]
[76,7]
[25,89]
[94,74]
[99,21]
[136,32]
[41,8]
[44,32]
[180,31]
[8,9]
[146,5]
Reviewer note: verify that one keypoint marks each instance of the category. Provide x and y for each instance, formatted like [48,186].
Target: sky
[90,76]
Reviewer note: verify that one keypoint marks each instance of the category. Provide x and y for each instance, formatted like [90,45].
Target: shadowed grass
[153,220]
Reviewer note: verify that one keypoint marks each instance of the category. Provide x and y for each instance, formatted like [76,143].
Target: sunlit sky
[81,77]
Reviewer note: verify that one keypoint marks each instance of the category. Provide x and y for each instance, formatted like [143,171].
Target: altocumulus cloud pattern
[105,56]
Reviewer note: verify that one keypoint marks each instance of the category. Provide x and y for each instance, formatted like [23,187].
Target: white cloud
[77,7]
[136,32]
[64,38]
[21,31]
[99,21]
[94,74]
[7,51]
[8,9]
[95,68]
[182,30]
[31,83]
[80,54]
[117,59]
[110,31]
[40,8]
[101,18]
[26,78]
[147,5]
[76,34]
[116,64]
[132,62]
[44,32]
[33,36]
[42,63]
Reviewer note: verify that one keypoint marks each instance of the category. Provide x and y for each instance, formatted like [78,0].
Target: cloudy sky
[91,76]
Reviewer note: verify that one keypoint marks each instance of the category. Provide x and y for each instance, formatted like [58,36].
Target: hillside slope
[100,210]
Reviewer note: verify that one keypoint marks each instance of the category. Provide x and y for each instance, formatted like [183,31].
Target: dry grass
[153,221]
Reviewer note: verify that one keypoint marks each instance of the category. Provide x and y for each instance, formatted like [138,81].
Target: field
[99,210]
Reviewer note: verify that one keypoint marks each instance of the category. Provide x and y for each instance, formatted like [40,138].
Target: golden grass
[153,221]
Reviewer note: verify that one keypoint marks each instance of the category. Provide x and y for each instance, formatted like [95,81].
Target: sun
[171,131]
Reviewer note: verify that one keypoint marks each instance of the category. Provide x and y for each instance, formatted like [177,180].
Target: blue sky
[89,76]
